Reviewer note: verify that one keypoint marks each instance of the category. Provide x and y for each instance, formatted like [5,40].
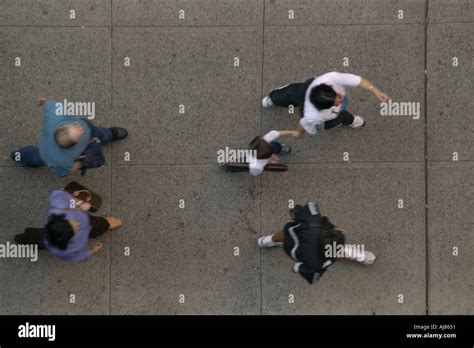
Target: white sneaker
[267,242]
[367,259]
[358,122]
[353,254]
[267,102]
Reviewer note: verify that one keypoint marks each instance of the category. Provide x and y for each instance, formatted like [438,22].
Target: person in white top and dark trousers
[267,149]
[263,154]
[322,101]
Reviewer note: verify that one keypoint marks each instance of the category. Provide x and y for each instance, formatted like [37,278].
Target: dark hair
[322,96]
[61,136]
[328,238]
[264,149]
[59,231]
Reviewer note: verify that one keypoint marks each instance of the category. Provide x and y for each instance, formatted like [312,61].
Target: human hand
[84,206]
[299,135]
[41,101]
[382,96]
[97,248]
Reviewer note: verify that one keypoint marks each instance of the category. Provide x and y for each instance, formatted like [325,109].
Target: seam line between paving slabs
[426,157]
[111,151]
[216,26]
[260,177]
[233,25]
[297,163]
[289,162]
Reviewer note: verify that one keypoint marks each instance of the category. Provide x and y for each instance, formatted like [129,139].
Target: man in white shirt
[322,101]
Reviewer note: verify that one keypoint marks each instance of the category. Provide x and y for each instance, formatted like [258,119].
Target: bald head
[68,135]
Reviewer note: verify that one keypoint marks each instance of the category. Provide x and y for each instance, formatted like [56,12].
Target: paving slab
[451,11]
[187,12]
[317,12]
[45,286]
[182,98]
[55,13]
[450,124]
[364,198]
[76,68]
[185,249]
[373,52]
[451,241]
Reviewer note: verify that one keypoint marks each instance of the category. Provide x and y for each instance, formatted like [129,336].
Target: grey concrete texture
[451,241]
[55,13]
[450,126]
[202,59]
[451,11]
[331,12]
[187,13]
[190,251]
[185,247]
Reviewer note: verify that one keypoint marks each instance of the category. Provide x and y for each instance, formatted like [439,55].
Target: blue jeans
[104,134]
[29,156]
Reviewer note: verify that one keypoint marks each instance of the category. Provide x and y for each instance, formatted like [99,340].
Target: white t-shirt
[338,81]
[256,166]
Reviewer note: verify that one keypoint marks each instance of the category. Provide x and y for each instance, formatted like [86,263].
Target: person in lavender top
[67,230]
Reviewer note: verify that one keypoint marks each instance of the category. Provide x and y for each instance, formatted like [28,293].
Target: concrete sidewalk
[183,57]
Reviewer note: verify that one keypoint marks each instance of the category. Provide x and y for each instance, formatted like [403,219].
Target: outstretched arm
[76,166]
[288,133]
[369,86]
[299,132]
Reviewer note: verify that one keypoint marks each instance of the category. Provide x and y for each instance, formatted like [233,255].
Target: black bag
[244,167]
[302,241]
[92,157]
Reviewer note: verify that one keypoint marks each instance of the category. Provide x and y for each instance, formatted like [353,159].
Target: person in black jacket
[314,243]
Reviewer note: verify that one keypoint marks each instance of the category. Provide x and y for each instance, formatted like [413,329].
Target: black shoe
[118,133]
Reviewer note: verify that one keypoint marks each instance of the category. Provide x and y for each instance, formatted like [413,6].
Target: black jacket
[302,241]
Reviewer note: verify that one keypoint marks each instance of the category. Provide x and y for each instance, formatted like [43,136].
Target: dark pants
[344,117]
[294,94]
[276,147]
[36,235]
[29,156]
